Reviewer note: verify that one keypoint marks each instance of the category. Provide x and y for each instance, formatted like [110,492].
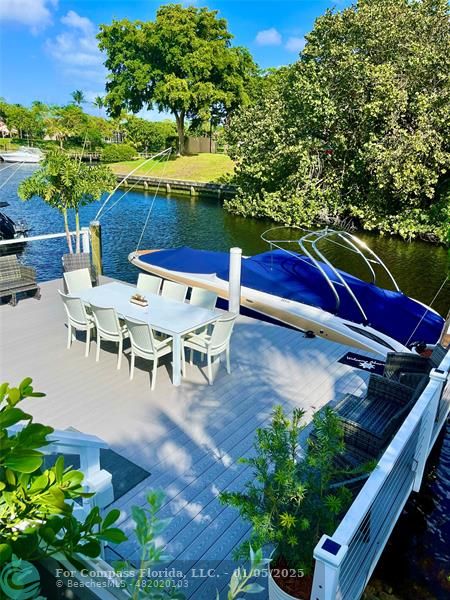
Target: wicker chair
[16,278]
[74,262]
[370,422]
[408,368]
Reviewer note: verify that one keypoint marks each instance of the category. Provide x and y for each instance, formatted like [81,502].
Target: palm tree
[99,102]
[78,97]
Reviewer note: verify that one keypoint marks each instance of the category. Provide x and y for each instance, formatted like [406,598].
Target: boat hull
[11,158]
[294,314]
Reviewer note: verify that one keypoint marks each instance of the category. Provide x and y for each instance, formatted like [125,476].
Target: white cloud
[295,44]
[268,37]
[74,20]
[76,48]
[33,13]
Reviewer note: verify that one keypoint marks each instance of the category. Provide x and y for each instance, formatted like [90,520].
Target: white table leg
[176,360]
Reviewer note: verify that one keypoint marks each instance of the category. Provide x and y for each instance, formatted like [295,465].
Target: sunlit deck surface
[190,437]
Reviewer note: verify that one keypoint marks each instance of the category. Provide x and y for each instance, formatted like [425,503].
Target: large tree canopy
[358,126]
[182,62]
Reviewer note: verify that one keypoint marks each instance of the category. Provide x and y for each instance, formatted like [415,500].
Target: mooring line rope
[427,310]
[140,177]
[100,210]
[8,178]
[153,202]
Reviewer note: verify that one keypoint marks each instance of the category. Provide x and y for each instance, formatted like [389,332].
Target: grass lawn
[198,167]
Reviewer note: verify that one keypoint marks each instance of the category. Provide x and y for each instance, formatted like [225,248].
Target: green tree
[99,102]
[78,97]
[67,122]
[182,62]
[358,126]
[66,184]
[149,135]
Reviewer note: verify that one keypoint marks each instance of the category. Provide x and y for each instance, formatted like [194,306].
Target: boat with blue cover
[304,290]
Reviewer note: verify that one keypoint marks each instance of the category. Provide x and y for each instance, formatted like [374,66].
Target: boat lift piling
[234,280]
[95,230]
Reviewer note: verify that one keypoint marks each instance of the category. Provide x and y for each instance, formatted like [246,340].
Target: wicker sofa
[16,278]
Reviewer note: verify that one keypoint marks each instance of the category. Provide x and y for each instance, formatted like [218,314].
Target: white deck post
[85,240]
[439,378]
[234,283]
[329,555]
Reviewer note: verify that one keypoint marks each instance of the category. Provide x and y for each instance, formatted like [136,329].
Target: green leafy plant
[65,183]
[241,579]
[181,62]
[147,527]
[36,504]
[118,152]
[357,127]
[290,500]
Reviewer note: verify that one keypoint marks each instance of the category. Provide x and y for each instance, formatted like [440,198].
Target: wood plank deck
[189,438]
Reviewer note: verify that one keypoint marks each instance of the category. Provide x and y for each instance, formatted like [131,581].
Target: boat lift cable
[427,310]
[8,166]
[129,189]
[102,207]
[151,205]
[12,174]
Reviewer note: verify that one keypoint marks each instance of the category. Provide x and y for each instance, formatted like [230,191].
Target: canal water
[422,536]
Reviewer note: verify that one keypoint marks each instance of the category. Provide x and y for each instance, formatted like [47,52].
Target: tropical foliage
[181,62]
[67,184]
[358,126]
[36,503]
[118,152]
[150,135]
[289,500]
[147,528]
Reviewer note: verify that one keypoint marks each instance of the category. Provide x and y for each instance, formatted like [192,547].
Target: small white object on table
[162,314]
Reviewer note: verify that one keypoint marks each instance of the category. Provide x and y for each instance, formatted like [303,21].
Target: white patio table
[162,314]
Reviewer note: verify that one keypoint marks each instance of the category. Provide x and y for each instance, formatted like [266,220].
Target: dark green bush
[118,152]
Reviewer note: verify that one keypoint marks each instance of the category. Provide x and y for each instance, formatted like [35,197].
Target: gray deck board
[189,438]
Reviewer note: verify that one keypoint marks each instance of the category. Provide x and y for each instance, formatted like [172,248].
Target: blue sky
[48,47]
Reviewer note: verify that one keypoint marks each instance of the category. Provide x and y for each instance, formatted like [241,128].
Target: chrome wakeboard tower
[308,243]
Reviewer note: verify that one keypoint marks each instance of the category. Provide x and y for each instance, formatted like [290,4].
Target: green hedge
[118,152]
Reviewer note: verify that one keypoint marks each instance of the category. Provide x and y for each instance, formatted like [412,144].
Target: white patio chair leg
[227,354]
[97,354]
[154,369]
[119,356]
[208,361]
[69,336]
[88,342]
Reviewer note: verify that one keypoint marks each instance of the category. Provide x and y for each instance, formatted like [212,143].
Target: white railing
[49,236]
[87,448]
[346,560]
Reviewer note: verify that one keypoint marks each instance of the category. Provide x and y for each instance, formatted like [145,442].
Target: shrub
[290,501]
[36,504]
[118,152]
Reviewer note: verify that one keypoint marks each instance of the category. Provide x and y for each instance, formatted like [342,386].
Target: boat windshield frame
[308,243]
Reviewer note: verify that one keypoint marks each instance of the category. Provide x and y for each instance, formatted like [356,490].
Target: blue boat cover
[297,278]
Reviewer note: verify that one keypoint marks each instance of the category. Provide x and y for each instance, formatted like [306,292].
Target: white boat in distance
[305,291]
[25,154]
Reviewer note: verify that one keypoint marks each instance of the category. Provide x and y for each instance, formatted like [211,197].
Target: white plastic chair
[149,283]
[174,291]
[77,318]
[145,345]
[203,298]
[108,328]
[78,280]
[212,345]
